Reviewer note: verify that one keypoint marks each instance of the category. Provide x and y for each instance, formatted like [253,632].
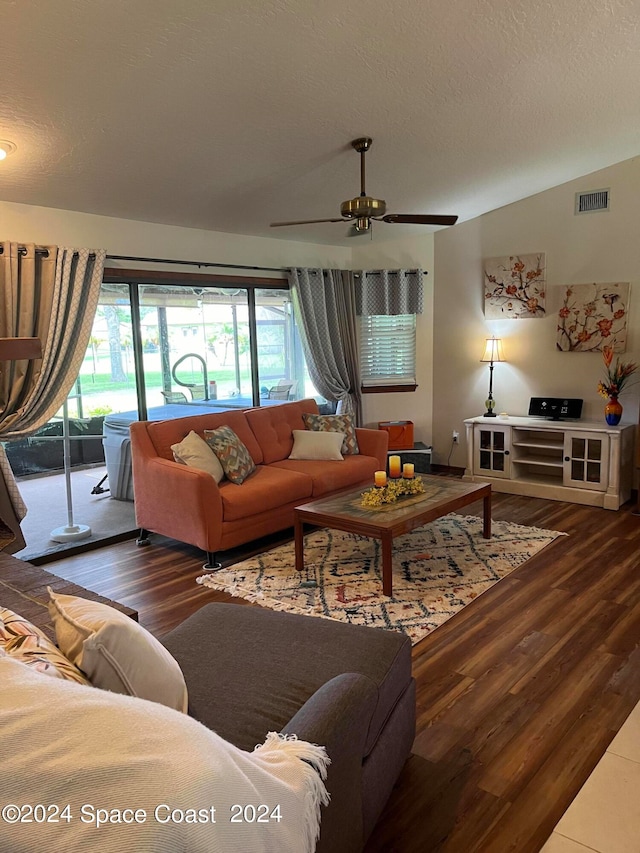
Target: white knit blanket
[84,770]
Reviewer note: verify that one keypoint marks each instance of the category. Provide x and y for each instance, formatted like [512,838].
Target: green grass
[100,382]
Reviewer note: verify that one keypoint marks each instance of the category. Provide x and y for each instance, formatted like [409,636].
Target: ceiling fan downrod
[363,207]
[362,145]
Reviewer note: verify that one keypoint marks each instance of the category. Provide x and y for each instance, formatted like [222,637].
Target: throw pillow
[26,643]
[234,457]
[196,453]
[335,423]
[316,445]
[115,652]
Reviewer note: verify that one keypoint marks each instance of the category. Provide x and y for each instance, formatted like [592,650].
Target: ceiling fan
[363,209]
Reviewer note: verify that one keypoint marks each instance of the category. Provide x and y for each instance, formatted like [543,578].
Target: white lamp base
[71,533]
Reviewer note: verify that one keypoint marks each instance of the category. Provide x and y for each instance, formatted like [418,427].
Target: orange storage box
[400,434]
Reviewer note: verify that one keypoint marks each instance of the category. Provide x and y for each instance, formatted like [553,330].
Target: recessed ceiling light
[6,148]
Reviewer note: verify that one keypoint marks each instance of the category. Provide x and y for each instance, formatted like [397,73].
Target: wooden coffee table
[343,511]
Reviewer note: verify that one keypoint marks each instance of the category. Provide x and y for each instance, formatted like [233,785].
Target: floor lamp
[492,353]
[71,532]
[27,348]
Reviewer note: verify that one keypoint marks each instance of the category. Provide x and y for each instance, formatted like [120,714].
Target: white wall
[597,247]
[42,225]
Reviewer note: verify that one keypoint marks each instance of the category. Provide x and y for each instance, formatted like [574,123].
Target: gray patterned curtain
[325,309]
[385,292]
[51,295]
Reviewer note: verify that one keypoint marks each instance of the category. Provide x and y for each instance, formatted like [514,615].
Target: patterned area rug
[437,570]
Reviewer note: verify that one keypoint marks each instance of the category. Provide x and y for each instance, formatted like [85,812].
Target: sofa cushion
[268,663]
[234,457]
[196,453]
[335,423]
[317,445]
[273,427]
[23,641]
[267,488]
[165,433]
[331,476]
[115,652]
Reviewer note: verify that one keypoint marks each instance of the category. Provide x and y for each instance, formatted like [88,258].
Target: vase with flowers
[617,376]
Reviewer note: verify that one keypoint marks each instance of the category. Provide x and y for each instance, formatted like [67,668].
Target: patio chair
[281,391]
[197,392]
[174,397]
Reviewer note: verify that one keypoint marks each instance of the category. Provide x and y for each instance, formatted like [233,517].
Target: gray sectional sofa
[346,687]
[250,671]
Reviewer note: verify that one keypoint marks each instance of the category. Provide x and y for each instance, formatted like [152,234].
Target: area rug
[437,570]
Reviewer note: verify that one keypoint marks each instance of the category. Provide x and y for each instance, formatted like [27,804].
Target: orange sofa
[186,504]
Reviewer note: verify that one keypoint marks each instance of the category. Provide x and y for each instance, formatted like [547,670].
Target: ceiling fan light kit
[364,208]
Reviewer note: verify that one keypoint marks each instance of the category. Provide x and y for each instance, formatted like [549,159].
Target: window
[388,351]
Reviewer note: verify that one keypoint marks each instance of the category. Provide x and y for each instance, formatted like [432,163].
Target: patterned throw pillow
[196,453]
[24,642]
[234,457]
[335,423]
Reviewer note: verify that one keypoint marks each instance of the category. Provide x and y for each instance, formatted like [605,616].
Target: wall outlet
[456,437]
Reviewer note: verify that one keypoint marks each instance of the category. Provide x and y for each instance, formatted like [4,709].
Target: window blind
[388,349]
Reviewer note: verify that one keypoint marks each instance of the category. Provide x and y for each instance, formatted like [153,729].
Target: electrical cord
[453,444]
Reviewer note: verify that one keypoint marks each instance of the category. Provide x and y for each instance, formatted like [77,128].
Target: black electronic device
[555,408]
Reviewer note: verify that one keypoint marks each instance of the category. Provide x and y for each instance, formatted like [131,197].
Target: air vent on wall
[592,201]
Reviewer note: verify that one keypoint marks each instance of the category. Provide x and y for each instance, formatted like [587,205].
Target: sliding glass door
[219,347]
[196,346]
[161,348]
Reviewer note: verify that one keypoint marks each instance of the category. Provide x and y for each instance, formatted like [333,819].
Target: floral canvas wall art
[593,316]
[514,286]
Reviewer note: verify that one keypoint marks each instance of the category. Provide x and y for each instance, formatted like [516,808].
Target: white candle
[408,470]
[380,478]
[394,466]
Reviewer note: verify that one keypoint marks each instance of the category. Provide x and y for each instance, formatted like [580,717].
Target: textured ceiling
[230,115]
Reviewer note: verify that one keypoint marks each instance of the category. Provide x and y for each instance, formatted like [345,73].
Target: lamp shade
[493,350]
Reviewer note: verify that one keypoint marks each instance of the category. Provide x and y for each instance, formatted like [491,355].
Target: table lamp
[492,353]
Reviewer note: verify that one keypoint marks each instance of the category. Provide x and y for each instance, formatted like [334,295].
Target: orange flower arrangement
[617,375]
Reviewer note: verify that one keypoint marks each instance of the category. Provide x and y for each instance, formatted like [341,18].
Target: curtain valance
[380,292]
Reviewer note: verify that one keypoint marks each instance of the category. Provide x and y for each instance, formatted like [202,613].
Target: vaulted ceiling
[230,115]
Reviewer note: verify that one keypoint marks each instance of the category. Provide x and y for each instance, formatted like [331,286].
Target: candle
[394,466]
[407,470]
[380,478]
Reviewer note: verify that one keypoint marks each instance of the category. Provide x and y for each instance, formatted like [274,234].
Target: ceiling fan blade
[419,219]
[306,222]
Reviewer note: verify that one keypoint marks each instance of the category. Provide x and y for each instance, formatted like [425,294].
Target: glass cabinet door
[492,449]
[586,460]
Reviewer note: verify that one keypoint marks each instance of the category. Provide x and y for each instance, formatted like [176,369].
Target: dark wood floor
[518,695]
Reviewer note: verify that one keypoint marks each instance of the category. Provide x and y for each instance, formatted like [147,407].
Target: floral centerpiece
[396,488]
[617,376]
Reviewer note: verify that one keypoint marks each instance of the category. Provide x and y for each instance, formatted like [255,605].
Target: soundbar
[555,408]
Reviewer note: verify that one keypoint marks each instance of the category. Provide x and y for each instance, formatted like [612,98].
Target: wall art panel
[592,316]
[514,286]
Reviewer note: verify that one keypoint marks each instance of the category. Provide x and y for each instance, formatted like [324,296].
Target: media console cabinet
[575,461]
